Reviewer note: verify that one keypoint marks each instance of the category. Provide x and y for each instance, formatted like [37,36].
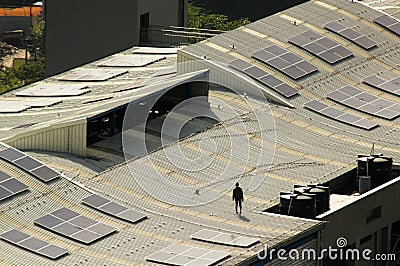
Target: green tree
[32,71]
[201,18]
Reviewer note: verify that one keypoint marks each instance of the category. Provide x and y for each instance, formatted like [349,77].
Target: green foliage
[12,78]
[202,19]
[32,71]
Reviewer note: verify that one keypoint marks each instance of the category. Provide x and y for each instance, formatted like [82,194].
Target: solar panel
[45,173]
[286,90]
[131,60]
[350,34]
[391,86]
[339,115]
[33,244]
[322,47]
[239,64]
[266,79]
[366,102]
[389,23]
[255,72]
[75,226]
[4,176]
[10,186]
[92,75]
[102,204]
[285,61]
[28,163]
[327,43]
[224,238]
[54,90]
[11,154]
[176,254]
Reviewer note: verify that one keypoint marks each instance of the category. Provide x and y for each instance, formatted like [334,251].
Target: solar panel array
[320,46]
[131,61]
[73,225]
[339,115]
[189,256]
[224,238]
[263,77]
[117,210]
[29,164]
[365,102]
[92,75]
[54,90]
[391,86]
[351,35]
[389,23]
[10,186]
[285,61]
[33,244]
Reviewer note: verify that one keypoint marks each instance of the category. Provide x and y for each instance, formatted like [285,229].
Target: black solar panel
[335,26]
[395,28]
[239,64]
[321,46]
[263,77]
[45,173]
[11,154]
[33,244]
[330,57]
[350,34]
[278,63]
[366,102]
[339,115]
[374,80]
[10,186]
[74,226]
[327,43]
[14,185]
[263,55]
[4,193]
[388,23]
[285,61]
[294,72]
[365,42]
[392,86]
[4,176]
[255,72]
[286,90]
[271,81]
[28,163]
[385,20]
[112,208]
[314,48]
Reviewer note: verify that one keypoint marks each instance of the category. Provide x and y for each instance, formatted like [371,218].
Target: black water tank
[284,202]
[321,198]
[304,206]
[379,168]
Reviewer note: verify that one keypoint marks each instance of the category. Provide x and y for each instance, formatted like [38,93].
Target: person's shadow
[244,218]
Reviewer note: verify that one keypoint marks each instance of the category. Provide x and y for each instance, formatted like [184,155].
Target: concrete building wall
[79,32]
[67,137]
[361,219]
[254,9]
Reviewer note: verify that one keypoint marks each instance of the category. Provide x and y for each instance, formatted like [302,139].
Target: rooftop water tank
[379,168]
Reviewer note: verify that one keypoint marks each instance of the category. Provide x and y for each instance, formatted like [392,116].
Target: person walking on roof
[238,197]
